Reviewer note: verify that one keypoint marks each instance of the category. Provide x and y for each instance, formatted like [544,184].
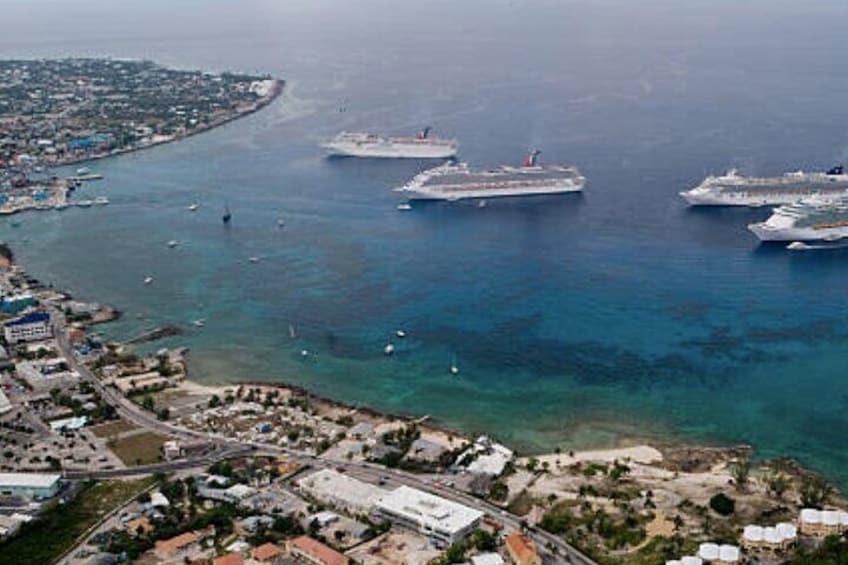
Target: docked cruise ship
[737,190]
[456,181]
[811,219]
[422,146]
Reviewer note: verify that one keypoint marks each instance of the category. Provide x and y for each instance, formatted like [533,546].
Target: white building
[487,457]
[5,405]
[341,491]
[444,522]
[32,327]
[29,485]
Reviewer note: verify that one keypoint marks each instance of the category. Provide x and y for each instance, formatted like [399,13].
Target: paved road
[225,448]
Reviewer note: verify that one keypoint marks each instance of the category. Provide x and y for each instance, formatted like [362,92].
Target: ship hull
[764,233]
[752,199]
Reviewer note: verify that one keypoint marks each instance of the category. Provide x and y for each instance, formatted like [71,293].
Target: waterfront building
[342,491]
[32,327]
[306,549]
[36,486]
[486,457]
[522,550]
[16,303]
[444,522]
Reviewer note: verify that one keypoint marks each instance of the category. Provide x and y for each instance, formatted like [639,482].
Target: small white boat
[199,323]
[281,222]
[83,171]
[481,204]
[85,203]
[454,368]
[173,243]
[389,349]
[254,259]
[193,207]
[797,246]
[304,353]
[101,201]
[405,207]
[148,280]
[401,334]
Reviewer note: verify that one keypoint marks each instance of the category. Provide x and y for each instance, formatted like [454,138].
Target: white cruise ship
[422,146]
[811,219]
[738,190]
[456,181]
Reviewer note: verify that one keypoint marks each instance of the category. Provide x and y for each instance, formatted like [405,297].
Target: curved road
[225,448]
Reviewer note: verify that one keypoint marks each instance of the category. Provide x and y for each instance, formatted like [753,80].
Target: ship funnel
[532,158]
[424,133]
[837,170]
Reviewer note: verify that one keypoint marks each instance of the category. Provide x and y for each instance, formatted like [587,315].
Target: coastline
[276,90]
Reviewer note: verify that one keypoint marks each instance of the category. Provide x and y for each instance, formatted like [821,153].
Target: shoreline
[276,92]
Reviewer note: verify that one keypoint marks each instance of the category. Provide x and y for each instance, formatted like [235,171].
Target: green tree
[723,504]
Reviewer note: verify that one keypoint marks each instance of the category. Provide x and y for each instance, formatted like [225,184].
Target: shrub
[723,504]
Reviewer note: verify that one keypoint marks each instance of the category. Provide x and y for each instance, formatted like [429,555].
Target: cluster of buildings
[770,543]
[59,111]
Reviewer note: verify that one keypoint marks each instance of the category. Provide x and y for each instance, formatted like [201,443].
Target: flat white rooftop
[330,484]
[28,480]
[435,512]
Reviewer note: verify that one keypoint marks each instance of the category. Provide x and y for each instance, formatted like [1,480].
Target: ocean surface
[574,320]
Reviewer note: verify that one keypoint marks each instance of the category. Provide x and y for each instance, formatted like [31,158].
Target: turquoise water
[576,320]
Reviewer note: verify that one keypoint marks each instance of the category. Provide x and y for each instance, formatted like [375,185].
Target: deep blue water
[574,320]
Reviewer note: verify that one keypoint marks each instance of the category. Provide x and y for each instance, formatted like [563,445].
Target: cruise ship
[422,146]
[456,181]
[811,219]
[733,189]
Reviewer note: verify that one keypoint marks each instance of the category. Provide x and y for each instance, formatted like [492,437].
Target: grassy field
[138,449]
[44,540]
[112,428]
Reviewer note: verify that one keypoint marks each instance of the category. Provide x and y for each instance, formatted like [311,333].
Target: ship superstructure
[811,219]
[733,189]
[456,181]
[422,146]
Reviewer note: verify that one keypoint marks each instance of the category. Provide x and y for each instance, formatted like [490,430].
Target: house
[308,550]
[267,553]
[183,546]
[138,526]
[32,327]
[229,559]
[521,550]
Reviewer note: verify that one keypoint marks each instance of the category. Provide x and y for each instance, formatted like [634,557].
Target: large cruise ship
[456,181]
[422,146]
[738,190]
[811,219]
